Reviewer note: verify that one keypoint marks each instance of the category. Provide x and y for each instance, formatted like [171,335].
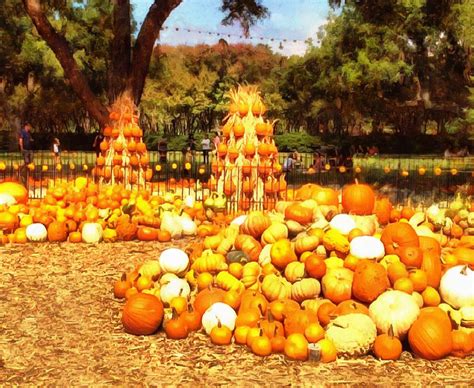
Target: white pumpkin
[343,223]
[394,308]
[174,288]
[173,260]
[150,268]
[189,201]
[188,226]
[239,220]
[457,286]
[219,312]
[171,223]
[92,232]
[367,247]
[7,199]
[367,224]
[36,232]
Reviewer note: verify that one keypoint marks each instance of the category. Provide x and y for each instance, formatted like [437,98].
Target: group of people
[452,151]
[25,143]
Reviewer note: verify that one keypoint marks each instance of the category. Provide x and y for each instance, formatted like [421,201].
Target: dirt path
[59,325]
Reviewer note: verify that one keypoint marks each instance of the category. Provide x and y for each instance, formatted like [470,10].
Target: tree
[128,58]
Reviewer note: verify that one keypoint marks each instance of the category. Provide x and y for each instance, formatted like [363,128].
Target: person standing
[96,144]
[206,147]
[163,150]
[25,142]
[56,151]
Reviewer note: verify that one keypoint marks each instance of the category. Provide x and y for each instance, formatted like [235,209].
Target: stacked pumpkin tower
[246,169]
[124,157]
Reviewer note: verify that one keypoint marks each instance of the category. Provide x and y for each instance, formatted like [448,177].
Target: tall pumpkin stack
[124,157]
[246,169]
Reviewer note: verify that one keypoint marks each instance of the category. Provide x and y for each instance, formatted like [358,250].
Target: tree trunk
[63,53]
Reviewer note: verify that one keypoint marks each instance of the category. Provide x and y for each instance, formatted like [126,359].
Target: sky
[289,19]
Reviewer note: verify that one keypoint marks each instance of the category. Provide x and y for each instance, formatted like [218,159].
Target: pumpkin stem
[260,333]
[390,332]
[270,318]
[454,324]
[124,277]
[260,308]
[356,181]
[464,270]
[174,313]
[219,324]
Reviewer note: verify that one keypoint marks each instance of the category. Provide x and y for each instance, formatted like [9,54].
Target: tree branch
[149,32]
[63,53]
[119,49]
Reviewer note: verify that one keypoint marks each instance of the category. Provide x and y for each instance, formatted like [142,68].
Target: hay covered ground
[60,325]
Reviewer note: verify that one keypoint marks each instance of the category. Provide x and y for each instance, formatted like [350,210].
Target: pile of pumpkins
[82,211]
[318,278]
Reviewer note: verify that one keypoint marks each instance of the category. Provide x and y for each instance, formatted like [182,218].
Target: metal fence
[401,177]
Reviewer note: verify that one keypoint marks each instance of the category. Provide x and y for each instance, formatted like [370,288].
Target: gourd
[7,199]
[142,314]
[150,268]
[335,241]
[250,275]
[343,223]
[173,260]
[394,309]
[209,262]
[188,226]
[255,224]
[352,334]
[282,254]
[92,232]
[306,244]
[219,312]
[457,286]
[295,271]
[337,284]
[174,288]
[171,223]
[236,257]
[227,281]
[298,213]
[274,233]
[305,289]
[367,247]
[249,245]
[36,232]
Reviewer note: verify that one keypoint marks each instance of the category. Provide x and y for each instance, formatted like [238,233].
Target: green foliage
[297,141]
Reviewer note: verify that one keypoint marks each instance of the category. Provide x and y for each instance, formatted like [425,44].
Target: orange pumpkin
[206,298]
[57,231]
[326,196]
[382,210]
[398,235]
[16,190]
[370,280]
[255,224]
[8,221]
[282,253]
[146,233]
[358,199]
[299,213]
[430,338]
[431,265]
[142,314]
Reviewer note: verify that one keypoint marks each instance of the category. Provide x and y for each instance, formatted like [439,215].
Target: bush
[299,141]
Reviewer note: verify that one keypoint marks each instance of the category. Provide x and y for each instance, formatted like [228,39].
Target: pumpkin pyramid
[246,169]
[124,157]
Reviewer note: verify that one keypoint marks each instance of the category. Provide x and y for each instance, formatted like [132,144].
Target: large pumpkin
[431,264]
[142,314]
[299,213]
[430,338]
[16,190]
[370,280]
[399,234]
[207,297]
[358,199]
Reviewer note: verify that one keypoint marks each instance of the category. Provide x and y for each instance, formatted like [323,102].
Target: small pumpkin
[282,254]
[298,213]
[173,260]
[457,286]
[219,312]
[255,224]
[367,247]
[36,232]
[248,245]
[399,234]
[275,287]
[305,289]
[387,347]
[337,284]
[295,271]
[273,233]
[91,232]
[57,231]
[306,244]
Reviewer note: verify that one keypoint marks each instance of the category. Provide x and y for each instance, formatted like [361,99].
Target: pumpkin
[261,345]
[457,286]
[221,335]
[387,347]
[296,347]
[430,338]
[350,307]
[248,245]
[367,247]
[462,343]
[36,232]
[325,196]
[358,199]
[236,257]
[57,231]
[173,289]
[305,289]
[145,233]
[91,232]
[16,190]
[399,234]
[219,312]
[7,199]
[411,256]
[315,266]
[464,255]
[429,244]
[306,244]
[207,297]
[382,210]
[209,262]
[282,254]
[121,286]
[352,334]
[8,221]
[142,314]
[396,310]
[431,265]
[273,233]
[298,213]
[271,327]
[150,268]
[370,280]
[173,260]
[295,271]
[275,287]
[255,224]
[343,223]
[192,319]
[298,321]
[307,191]
[250,275]
[337,284]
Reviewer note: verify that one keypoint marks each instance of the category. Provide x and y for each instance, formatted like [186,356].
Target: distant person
[206,147]
[96,144]
[373,150]
[288,163]
[216,141]
[317,162]
[191,143]
[296,159]
[463,152]
[450,152]
[56,150]
[163,150]
[25,142]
